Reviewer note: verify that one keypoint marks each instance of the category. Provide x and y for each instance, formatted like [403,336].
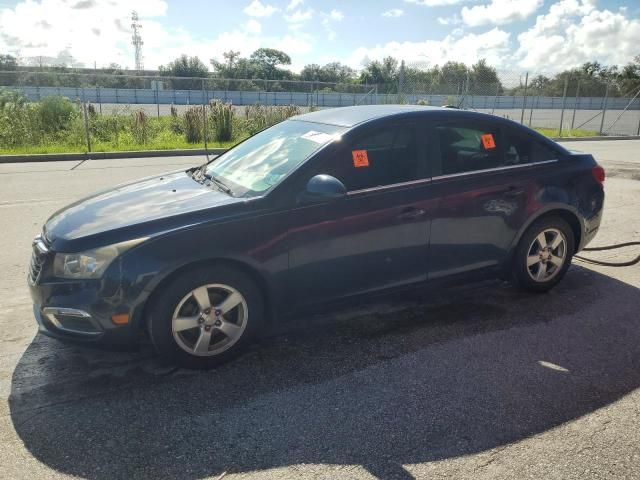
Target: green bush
[20,121]
[140,127]
[193,125]
[222,115]
[258,116]
[56,113]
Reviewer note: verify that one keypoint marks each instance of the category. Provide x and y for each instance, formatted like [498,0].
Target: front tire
[543,255]
[205,317]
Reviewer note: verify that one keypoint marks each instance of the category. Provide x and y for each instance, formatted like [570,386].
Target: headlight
[92,263]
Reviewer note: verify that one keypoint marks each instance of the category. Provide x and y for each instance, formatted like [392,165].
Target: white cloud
[436,3]
[259,9]
[573,32]
[54,28]
[299,16]
[453,20]
[336,15]
[499,12]
[294,3]
[253,26]
[327,21]
[393,13]
[49,27]
[492,45]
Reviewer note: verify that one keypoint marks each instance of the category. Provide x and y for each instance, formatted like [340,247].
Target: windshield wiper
[221,185]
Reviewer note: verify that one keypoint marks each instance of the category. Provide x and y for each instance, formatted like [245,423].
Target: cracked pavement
[484,382]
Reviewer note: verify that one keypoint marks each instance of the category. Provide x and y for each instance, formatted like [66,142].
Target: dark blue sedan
[323,207]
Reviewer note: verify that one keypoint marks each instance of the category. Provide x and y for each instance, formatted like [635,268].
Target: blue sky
[541,35]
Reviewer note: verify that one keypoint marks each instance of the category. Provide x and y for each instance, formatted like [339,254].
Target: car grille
[38,257]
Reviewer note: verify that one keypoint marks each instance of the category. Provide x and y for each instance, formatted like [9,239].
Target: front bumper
[80,310]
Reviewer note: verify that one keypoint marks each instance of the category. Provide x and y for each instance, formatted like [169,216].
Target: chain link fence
[156,94]
[124,111]
[562,105]
[61,111]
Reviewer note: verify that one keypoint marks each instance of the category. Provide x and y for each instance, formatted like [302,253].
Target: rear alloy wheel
[547,254]
[205,317]
[544,254]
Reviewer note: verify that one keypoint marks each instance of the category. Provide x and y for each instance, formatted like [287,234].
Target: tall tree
[8,62]
[185,66]
[334,72]
[269,59]
[384,74]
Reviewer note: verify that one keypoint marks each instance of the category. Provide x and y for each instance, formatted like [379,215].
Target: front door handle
[412,213]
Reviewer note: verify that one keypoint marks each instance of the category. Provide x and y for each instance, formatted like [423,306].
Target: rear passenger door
[485,178]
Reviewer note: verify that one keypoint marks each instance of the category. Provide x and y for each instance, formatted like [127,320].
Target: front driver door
[375,237]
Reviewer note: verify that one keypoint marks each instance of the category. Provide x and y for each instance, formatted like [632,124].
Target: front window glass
[262,161]
[385,156]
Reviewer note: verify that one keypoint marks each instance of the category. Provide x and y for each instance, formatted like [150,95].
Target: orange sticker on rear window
[360,158]
[488,142]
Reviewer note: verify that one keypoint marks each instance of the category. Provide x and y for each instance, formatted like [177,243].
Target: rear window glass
[466,149]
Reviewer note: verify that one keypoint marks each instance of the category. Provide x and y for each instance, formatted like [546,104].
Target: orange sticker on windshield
[488,142]
[360,158]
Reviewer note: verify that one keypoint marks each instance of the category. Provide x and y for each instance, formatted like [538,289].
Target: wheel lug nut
[207,328]
[217,312]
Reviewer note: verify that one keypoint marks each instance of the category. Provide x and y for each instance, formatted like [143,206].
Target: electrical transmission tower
[136,39]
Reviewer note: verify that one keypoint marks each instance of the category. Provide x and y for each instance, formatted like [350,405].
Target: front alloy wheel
[206,316]
[209,320]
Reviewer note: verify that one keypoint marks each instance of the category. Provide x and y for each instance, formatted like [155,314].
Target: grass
[553,132]
[56,125]
[99,146]
[173,141]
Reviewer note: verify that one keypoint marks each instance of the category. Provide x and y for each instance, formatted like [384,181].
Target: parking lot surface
[486,382]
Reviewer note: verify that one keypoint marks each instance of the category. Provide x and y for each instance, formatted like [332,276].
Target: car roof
[352,116]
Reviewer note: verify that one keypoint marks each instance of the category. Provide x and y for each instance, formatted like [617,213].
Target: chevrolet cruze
[325,206]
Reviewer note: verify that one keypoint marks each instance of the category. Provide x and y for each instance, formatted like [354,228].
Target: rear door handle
[412,213]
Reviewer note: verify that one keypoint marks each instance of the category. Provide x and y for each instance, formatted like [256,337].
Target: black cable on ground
[609,247]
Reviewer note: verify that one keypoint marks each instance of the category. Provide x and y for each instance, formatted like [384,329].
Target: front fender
[256,247]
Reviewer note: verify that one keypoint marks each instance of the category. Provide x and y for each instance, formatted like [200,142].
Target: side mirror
[323,188]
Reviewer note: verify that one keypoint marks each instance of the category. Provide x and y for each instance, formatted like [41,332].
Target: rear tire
[543,255]
[205,317]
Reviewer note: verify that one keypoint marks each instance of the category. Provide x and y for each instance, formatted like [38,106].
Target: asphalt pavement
[485,382]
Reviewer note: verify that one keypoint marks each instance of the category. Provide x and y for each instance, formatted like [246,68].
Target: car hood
[153,200]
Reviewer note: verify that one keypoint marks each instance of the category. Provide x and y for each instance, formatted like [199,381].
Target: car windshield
[264,160]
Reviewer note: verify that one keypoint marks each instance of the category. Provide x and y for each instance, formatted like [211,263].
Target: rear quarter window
[521,148]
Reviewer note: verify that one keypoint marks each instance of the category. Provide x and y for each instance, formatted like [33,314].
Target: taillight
[598,174]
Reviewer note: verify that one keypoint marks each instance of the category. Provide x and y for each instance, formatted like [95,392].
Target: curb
[63,157]
[595,139]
